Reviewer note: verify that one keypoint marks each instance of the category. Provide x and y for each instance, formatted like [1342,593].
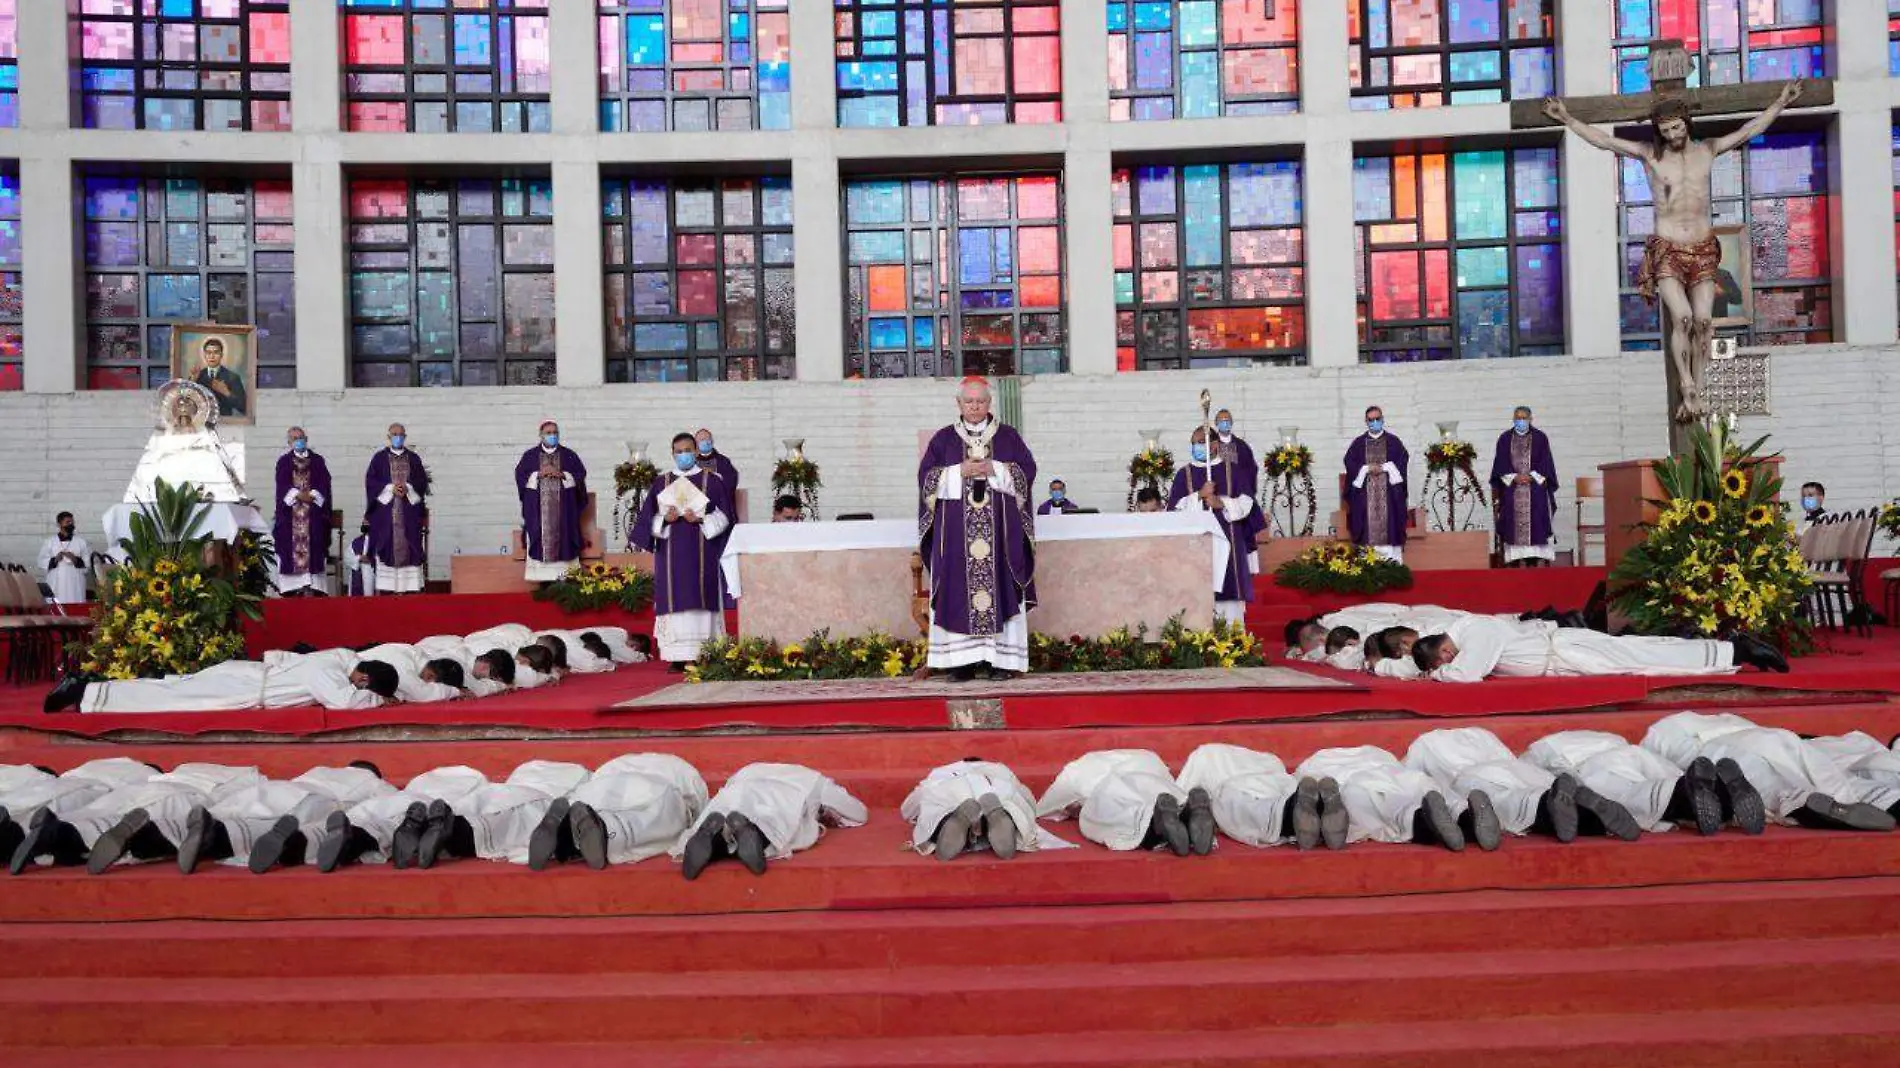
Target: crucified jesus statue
[1682,255]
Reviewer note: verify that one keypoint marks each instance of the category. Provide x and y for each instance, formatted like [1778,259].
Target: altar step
[1632,975]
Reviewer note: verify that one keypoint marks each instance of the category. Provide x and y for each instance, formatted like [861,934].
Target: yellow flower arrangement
[1760,516]
[1341,567]
[1704,512]
[1734,485]
[595,586]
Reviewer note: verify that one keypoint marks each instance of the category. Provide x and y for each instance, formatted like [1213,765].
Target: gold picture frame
[196,347]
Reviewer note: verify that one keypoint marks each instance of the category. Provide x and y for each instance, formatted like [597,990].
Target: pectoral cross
[1683,260]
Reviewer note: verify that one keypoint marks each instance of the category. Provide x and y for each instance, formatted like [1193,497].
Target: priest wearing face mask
[552,483]
[396,483]
[301,529]
[681,523]
[1524,480]
[1202,486]
[978,532]
[1243,471]
[1058,501]
[1375,488]
[712,459]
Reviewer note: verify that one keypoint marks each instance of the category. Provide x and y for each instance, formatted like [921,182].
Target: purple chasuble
[1375,511]
[551,513]
[301,531]
[686,574]
[1238,584]
[981,556]
[1524,512]
[395,529]
[1244,476]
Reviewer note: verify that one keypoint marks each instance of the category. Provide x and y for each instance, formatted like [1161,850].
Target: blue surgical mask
[396,440]
[1809,504]
[1520,425]
[1375,426]
[1199,452]
[706,447]
[1058,496]
[1225,426]
[300,444]
[550,440]
[685,461]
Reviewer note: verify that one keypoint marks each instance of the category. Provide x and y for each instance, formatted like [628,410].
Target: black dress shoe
[999,827]
[342,843]
[1758,654]
[1438,817]
[1200,822]
[65,695]
[434,843]
[111,845]
[406,844]
[1824,812]
[1480,822]
[748,842]
[1740,797]
[43,833]
[1302,816]
[545,843]
[1558,807]
[590,834]
[11,833]
[197,834]
[1166,823]
[1702,796]
[1334,824]
[276,845]
[1604,816]
[953,834]
[707,844]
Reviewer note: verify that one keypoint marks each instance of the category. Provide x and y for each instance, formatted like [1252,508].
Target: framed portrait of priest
[1734,279]
[223,359]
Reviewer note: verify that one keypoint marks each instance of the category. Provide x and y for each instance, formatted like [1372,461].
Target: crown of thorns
[1669,108]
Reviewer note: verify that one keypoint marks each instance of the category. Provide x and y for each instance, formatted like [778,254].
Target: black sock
[148,844]
[1422,833]
[461,841]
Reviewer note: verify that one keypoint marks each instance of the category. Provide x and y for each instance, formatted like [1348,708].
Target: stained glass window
[1775,187]
[185,250]
[699,279]
[1427,53]
[414,65]
[11,299]
[1731,40]
[1893,37]
[9,63]
[933,62]
[184,64]
[1198,59]
[1209,266]
[953,276]
[451,281]
[1458,255]
[695,65]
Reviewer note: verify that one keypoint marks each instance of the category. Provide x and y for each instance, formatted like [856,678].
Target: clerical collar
[1224,438]
[976,428]
[1520,433]
[394,451]
[550,449]
[1375,433]
[300,452]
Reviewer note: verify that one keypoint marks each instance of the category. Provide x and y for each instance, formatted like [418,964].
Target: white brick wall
[77,451]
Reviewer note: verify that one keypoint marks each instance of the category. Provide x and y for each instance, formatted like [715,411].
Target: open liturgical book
[681,495]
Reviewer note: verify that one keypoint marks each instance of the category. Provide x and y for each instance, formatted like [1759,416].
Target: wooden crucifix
[1683,256]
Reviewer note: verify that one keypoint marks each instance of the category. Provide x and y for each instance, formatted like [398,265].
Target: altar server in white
[1476,647]
[1254,800]
[633,807]
[1387,801]
[63,557]
[138,822]
[766,812]
[335,679]
[1128,799]
[270,822]
[971,806]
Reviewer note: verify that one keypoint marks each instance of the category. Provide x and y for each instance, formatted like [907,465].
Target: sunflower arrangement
[1720,557]
[167,610]
[1889,521]
[596,586]
[1290,470]
[1150,469]
[1287,460]
[797,475]
[1175,648]
[1342,567]
[1451,455]
[632,479]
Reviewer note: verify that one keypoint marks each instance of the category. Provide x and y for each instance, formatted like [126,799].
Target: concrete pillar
[54,315]
[318,197]
[579,304]
[574,51]
[818,266]
[1088,209]
[1861,157]
[1591,268]
[1332,327]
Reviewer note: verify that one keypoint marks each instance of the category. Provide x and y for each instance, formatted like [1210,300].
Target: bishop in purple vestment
[1524,483]
[977,536]
[396,484]
[1207,484]
[1375,488]
[301,528]
[552,482]
[689,594]
[712,459]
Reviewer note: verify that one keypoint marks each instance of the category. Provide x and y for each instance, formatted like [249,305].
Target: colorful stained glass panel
[9,63]
[1198,59]
[1732,41]
[1429,53]
[179,64]
[695,65]
[12,293]
[429,66]
[935,63]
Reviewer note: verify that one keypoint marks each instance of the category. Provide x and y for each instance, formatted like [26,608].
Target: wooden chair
[1590,488]
[1840,576]
[35,639]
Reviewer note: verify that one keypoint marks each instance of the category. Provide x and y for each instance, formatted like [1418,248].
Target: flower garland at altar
[632,479]
[174,607]
[1342,567]
[1289,468]
[1175,648]
[596,586]
[1151,468]
[1453,493]
[1721,556]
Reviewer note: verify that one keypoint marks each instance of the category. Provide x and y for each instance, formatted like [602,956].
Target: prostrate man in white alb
[633,807]
[26,790]
[143,821]
[1473,762]
[1127,799]
[1657,794]
[270,822]
[1477,647]
[389,827]
[496,821]
[63,560]
[336,679]
[974,805]
[766,812]
[1389,802]
[1799,783]
[1255,801]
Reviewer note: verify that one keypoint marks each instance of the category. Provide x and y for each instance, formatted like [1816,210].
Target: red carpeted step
[1009,998]
[945,938]
[1845,1037]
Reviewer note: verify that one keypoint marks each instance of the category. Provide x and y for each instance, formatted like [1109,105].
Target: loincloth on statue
[1688,264]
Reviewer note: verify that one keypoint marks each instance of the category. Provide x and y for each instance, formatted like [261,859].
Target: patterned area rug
[823,691]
